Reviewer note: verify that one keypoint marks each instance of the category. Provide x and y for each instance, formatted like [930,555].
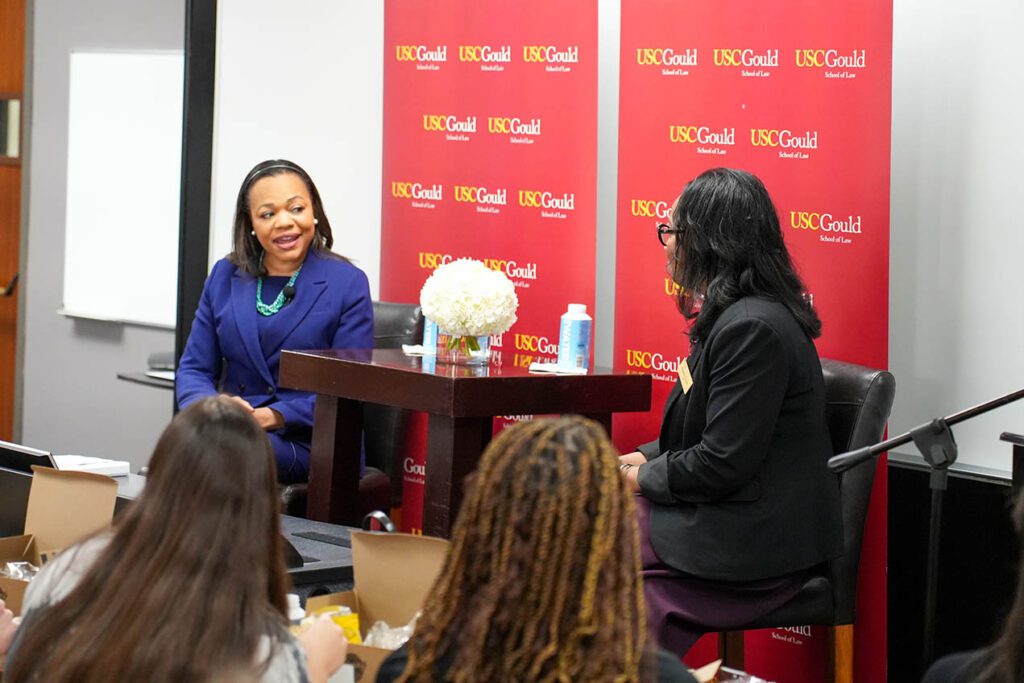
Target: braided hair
[542,581]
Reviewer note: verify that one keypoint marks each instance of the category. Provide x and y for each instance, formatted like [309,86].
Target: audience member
[1003,661]
[542,578]
[191,583]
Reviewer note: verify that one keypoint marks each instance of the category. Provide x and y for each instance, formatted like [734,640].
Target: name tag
[684,375]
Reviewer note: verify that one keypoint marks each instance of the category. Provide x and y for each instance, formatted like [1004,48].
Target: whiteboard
[123,186]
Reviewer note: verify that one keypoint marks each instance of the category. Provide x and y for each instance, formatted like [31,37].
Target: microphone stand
[935,442]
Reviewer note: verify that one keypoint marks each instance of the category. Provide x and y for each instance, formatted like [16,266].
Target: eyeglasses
[666,229]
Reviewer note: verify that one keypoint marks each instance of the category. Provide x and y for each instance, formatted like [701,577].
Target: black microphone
[844,461]
[289,292]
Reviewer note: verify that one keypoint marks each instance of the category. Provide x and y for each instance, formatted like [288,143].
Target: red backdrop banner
[798,93]
[490,152]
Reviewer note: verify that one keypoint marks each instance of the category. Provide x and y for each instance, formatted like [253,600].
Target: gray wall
[71,400]
[608,25]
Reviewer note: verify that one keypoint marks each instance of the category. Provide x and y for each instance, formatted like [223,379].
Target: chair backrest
[396,324]
[384,427]
[857,404]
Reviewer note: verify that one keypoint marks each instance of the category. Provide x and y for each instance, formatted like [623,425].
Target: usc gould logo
[658,56]
[648,208]
[411,467]
[535,199]
[645,360]
[550,54]
[817,59]
[745,57]
[512,126]
[702,135]
[450,124]
[512,269]
[480,195]
[401,190]
[421,53]
[485,53]
[765,137]
[535,344]
[431,260]
[825,222]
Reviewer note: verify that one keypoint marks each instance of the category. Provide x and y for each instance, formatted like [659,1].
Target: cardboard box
[63,508]
[393,575]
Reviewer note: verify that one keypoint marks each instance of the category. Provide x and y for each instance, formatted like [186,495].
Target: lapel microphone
[289,292]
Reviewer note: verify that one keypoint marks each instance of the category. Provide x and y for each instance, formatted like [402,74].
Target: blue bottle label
[574,342]
[429,336]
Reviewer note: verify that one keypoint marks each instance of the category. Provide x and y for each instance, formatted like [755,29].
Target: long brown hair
[246,251]
[192,578]
[542,579]
[1006,663]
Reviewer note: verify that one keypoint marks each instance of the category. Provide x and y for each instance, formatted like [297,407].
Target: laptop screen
[21,458]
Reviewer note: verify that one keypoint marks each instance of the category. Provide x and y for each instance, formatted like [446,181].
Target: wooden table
[461,403]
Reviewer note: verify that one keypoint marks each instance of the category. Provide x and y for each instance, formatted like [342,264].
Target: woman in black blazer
[736,501]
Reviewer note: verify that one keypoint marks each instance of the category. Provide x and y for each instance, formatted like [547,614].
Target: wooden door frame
[25,149]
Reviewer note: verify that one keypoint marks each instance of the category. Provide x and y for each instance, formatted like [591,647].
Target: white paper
[556,369]
[83,463]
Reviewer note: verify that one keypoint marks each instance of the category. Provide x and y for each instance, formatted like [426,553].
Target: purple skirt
[682,607]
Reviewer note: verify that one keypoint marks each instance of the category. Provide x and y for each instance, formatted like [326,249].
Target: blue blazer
[331,309]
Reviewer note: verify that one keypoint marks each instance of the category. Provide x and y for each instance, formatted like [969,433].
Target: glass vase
[463,350]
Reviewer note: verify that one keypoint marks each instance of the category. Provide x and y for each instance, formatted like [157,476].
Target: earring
[252,232]
[316,221]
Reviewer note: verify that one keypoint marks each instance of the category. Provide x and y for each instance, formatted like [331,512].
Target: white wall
[956,334]
[304,81]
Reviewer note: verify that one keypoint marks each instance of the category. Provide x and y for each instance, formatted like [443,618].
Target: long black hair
[246,250]
[728,246]
[1006,655]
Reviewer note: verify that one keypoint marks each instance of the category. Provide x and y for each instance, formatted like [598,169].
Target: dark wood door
[12,70]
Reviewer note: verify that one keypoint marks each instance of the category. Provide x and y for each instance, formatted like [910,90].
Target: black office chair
[384,427]
[858,401]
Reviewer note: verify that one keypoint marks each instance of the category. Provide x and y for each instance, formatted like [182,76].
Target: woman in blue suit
[280,288]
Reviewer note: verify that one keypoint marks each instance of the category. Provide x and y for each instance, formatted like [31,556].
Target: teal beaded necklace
[271,309]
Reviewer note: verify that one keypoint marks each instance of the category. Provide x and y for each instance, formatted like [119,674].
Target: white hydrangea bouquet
[468,301]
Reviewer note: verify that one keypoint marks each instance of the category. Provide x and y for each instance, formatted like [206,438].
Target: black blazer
[738,475]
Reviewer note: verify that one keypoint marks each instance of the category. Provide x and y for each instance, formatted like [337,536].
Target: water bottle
[429,337]
[574,337]
[295,611]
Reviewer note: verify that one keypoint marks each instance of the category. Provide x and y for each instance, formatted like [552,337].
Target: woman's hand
[629,473]
[240,401]
[629,467]
[636,458]
[268,418]
[7,628]
[325,646]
